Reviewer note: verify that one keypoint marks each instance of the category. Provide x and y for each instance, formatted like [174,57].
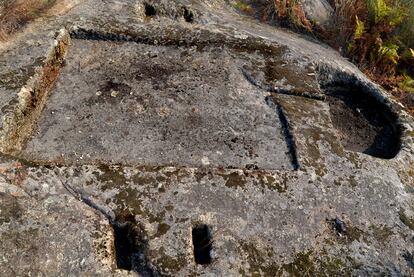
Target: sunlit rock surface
[181,138]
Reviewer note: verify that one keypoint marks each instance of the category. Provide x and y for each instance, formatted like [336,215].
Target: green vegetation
[407,83]
[377,35]
[382,43]
[406,29]
[244,7]
[359,28]
[376,41]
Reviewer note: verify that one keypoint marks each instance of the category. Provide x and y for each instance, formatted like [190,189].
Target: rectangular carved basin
[131,103]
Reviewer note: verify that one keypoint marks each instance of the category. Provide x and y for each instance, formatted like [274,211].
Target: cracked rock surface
[179,138]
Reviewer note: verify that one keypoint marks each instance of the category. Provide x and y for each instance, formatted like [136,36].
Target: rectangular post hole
[131,248]
[202,243]
[123,245]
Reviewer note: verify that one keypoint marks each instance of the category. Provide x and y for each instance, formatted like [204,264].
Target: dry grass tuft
[292,11]
[15,14]
[346,11]
[377,35]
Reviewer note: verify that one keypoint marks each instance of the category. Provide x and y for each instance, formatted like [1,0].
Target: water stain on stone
[111,176]
[10,208]
[162,229]
[234,180]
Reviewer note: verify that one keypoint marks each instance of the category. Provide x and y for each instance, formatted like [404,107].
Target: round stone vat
[363,123]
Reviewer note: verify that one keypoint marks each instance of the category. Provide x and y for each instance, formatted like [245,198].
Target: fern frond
[396,14]
[359,28]
[377,9]
[407,54]
[389,51]
[407,83]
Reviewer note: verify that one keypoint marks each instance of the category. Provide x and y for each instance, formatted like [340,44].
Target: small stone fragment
[114,93]
[205,161]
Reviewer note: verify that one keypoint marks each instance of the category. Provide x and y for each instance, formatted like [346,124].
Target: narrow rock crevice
[286,131]
[150,10]
[277,90]
[83,197]
[188,15]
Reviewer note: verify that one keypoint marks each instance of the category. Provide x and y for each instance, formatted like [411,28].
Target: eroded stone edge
[19,123]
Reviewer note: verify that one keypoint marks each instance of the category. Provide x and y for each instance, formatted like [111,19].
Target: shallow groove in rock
[289,92]
[179,36]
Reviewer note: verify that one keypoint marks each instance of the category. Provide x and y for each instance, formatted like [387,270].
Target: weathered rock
[408,100]
[42,226]
[319,12]
[179,138]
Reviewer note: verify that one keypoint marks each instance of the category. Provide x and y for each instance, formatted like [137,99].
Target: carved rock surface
[180,138]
